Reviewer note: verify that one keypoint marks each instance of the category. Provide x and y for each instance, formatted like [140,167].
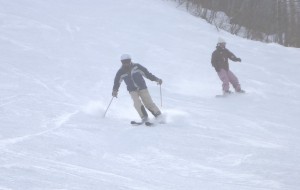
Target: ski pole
[108,107]
[160,95]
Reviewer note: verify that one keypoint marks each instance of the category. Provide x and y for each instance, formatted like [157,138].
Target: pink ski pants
[228,77]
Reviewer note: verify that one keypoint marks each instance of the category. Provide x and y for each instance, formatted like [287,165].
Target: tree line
[264,20]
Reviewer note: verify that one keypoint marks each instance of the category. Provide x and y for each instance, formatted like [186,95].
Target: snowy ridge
[58,62]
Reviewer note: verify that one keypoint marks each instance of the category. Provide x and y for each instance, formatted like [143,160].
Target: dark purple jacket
[219,58]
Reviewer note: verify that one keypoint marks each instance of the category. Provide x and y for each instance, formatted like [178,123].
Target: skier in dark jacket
[219,61]
[132,74]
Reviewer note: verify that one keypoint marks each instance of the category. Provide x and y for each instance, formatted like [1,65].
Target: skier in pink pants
[219,61]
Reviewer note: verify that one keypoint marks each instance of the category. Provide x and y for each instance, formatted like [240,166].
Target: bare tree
[265,20]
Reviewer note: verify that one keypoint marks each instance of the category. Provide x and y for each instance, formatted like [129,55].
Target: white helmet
[125,56]
[221,40]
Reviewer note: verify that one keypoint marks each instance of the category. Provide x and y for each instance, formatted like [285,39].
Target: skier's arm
[147,74]
[214,61]
[117,83]
[232,57]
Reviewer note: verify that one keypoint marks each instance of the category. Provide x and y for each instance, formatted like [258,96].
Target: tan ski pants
[143,96]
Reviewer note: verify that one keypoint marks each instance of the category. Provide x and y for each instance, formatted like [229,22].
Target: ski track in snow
[58,123]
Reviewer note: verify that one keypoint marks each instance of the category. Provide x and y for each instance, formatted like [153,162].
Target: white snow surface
[57,66]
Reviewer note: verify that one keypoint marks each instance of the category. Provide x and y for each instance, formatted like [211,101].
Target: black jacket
[219,58]
[133,77]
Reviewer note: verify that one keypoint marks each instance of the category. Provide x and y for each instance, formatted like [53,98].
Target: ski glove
[114,93]
[159,81]
[238,59]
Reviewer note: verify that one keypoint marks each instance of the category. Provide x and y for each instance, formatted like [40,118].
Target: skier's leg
[138,104]
[234,81]
[148,102]
[225,79]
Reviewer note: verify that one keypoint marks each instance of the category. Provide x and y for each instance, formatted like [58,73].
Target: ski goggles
[126,61]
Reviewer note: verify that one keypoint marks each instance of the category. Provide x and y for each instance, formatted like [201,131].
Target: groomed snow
[57,65]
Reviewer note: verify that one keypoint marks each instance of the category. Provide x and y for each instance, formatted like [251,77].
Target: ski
[136,123]
[147,123]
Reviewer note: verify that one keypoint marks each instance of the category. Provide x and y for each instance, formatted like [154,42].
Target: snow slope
[57,65]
